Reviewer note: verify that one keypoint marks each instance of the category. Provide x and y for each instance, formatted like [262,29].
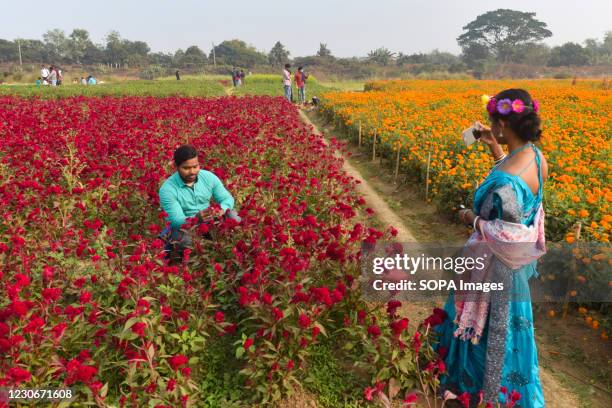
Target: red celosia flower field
[87,300]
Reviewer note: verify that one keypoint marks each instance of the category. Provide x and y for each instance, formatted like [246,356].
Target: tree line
[500,36]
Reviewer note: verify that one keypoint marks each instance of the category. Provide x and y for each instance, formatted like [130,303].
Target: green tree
[568,54]
[114,51]
[381,56]
[502,31]
[536,54]
[475,55]
[324,51]
[193,56]
[33,51]
[161,58]
[238,53]
[78,45]
[8,51]
[178,56]
[56,45]
[278,54]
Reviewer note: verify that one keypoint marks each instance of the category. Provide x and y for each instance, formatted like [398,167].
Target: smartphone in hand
[470,135]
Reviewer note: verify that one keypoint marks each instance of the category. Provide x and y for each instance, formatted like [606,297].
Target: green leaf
[131,321]
[240,352]
[104,390]
[320,326]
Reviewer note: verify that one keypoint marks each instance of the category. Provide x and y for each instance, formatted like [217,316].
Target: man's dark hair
[184,153]
[287,65]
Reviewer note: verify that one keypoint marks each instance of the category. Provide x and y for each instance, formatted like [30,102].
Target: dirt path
[384,213]
[556,395]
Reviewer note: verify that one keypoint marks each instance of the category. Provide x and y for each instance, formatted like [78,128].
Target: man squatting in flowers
[187,193]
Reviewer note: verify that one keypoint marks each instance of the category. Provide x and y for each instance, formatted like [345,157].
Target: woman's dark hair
[184,153]
[525,124]
[287,66]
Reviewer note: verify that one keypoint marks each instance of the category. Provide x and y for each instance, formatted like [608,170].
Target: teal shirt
[181,201]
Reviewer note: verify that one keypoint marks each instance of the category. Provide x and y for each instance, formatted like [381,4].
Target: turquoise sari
[509,359]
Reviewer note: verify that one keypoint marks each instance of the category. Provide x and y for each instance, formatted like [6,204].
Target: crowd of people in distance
[52,76]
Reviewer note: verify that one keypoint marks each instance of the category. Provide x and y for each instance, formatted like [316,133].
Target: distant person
[300,81]
[178,75]
[287,82]
[38,82]
[60,77]
[91,80]
[53,75]
[44,74]
[83,81]
[234,76]
[242,75]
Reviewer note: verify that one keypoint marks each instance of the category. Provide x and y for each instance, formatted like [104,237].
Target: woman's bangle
[475,221]
[500,158]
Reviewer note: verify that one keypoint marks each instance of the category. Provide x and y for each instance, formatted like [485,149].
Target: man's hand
[211,213]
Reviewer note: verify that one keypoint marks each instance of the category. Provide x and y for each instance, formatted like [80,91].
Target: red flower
[416,342]
[361,315]
[177,361]
[374,331]
[143,306]
[85,297]
[96,386]
[18,375]
[266,299]
[171,385]
[139,329]
[231,328]
[22,280]
[20,308]
[315,332]
[86,373]
[392,306]
[410,399]
[277,313]
[248,343]
[219,317]
[464,399]
[290,365]
[304,321]
[515,396]
[367,393]
[399,326]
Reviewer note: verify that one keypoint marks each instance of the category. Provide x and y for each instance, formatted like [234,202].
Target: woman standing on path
[488,343]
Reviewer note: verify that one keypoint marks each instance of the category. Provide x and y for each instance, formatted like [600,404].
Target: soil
[574,362]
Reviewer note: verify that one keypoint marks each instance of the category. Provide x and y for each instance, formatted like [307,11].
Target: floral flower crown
[506,106]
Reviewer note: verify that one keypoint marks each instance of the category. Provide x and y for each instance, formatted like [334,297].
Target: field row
[424,119]
[86,300]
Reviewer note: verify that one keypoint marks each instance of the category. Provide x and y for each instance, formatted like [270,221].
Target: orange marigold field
[422,117]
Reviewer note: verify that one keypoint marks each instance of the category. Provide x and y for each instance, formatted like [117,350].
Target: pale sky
[349,27]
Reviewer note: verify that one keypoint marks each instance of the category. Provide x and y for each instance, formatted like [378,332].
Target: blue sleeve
[220,194]
[171,206]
